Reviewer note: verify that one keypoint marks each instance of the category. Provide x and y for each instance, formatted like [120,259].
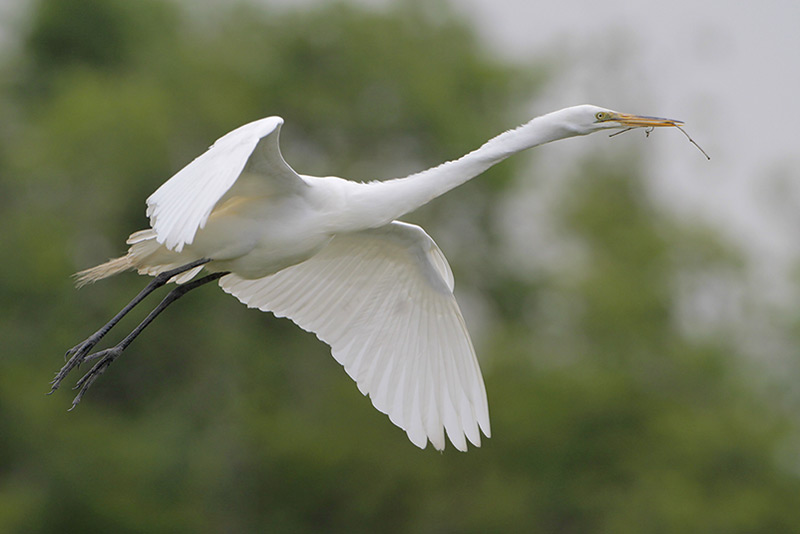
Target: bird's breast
[255,237]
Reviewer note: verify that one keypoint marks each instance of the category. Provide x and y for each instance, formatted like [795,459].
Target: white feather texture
[382,299]
[330,254]
[182,205]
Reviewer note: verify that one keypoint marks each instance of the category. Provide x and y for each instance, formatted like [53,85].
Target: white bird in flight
[331,255]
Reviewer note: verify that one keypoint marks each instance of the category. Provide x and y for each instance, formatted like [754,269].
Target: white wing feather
[382,299]
[183,203]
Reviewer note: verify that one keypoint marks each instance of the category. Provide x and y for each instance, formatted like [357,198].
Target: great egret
[330,255]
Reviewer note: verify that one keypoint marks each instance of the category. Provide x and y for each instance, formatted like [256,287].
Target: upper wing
[183,203]
[383,300]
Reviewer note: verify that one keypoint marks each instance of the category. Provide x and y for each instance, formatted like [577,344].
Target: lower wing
[383,300]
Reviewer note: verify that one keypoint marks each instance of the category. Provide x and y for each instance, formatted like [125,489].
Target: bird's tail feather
[143,245]
[104,270]
[146,255]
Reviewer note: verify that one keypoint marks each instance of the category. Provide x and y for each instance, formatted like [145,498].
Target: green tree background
[607,416]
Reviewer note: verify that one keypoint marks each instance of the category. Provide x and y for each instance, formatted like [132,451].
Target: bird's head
[586,119]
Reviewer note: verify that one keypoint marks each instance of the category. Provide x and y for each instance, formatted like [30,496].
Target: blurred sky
[729,69]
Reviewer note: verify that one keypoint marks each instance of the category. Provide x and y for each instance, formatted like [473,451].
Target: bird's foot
[106,357]
[77,355]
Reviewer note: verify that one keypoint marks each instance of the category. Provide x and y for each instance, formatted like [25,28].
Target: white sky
[729,69]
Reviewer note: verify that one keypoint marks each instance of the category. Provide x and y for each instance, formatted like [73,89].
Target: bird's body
[330,254]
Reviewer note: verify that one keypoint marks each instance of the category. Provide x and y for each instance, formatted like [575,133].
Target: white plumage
[183,203]
[382,299]
[329,254]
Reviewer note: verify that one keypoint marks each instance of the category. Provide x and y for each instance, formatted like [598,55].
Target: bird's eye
[601,116]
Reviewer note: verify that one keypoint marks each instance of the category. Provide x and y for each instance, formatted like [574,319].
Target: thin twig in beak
[649,130]
[621,131]
[693,142]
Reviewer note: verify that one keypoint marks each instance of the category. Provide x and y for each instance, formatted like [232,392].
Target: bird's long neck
[383,202]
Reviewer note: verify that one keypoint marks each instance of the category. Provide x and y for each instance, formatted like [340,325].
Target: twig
[647,132]
[693,142]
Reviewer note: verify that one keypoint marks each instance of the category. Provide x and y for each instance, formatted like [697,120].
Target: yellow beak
[642,121]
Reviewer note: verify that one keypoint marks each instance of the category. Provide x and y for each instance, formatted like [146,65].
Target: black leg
[109,355]
[77,354]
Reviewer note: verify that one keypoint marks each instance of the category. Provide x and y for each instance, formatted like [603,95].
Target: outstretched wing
[183,203]
[383,300]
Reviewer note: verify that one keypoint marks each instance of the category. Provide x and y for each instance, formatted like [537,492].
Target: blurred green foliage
[606,416]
